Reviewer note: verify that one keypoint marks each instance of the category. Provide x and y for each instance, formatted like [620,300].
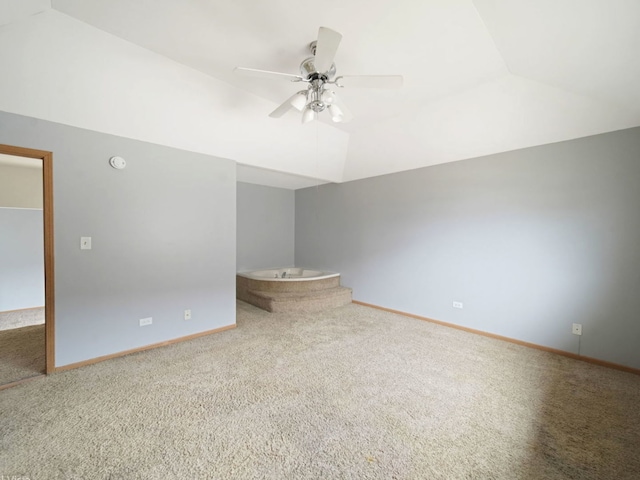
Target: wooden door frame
[47,213]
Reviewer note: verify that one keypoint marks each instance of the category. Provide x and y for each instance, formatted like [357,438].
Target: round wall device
[117,162]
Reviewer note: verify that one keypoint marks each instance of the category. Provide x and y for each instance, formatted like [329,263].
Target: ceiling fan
[319,71]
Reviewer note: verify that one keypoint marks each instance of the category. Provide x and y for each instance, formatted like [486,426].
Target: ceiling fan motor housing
[309,72]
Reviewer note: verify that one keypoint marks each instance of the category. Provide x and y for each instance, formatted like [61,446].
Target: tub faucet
[284,275]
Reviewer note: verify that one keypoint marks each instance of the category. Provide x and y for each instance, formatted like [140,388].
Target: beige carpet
[351,393]
[22,354]
[21,318]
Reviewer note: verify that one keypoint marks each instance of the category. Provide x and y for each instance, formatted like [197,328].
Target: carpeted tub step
[301,302]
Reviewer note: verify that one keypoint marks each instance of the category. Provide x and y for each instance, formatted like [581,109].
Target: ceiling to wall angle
[479,77]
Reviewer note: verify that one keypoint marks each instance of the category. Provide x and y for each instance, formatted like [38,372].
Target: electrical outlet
[85,243]
[187,314]
[577,329]
[146,321]
[458,305]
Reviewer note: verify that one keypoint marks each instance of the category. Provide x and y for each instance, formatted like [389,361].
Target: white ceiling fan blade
[370,81]
[287,105]
[326,48]
[253,72]
[281,110]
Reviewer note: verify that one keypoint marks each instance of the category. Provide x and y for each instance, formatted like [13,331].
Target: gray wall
[265,229]
[163,238]
[531,241]
[21,259]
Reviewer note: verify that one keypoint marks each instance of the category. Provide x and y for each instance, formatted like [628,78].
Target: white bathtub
[288,274]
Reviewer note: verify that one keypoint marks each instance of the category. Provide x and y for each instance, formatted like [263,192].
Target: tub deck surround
[300,290]
[290,274]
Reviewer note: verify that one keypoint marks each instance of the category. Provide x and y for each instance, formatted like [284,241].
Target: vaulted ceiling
[481,77]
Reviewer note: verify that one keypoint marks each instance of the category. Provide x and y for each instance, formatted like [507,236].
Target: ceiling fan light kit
[319,73]
[299,100]
[336,114]
[308,115]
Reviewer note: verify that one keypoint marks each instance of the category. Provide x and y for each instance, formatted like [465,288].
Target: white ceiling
[481,77]
[438,46]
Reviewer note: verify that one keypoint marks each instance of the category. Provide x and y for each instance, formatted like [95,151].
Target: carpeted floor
[21,318]
[348,393]
[22,354]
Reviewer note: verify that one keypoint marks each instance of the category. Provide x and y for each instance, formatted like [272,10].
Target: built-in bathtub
[291,289]
[291,274]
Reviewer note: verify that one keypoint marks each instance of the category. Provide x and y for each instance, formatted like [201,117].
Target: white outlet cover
[146,321]
[458,305]
[85,243]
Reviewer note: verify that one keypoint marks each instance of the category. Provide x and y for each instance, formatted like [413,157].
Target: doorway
[27,212]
